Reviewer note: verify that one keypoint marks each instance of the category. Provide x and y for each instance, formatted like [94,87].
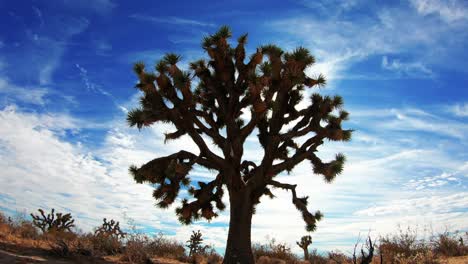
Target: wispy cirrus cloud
[410,69]
[460,110]
[449,11]
[98,6]
[22,94]
[339,42]
[171,20]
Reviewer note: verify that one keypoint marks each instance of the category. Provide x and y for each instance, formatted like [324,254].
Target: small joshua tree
[57,222]
[269,85]
[304,244]
[110,229]
[194,243]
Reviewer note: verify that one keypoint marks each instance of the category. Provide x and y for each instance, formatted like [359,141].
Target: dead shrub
[403,244]
[25,229]
[136,249]
[339,257]
[450,244]
[275,250]
[315,258]
[166,247]
[107,245]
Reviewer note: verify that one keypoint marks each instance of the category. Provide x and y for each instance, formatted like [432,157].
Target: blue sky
[66,84]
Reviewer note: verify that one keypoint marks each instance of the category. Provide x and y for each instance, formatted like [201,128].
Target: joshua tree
[304,244]
[234,98]
[194,243]
[110,229]
[53,222]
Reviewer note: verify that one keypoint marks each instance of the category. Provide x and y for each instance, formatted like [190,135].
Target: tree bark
[306,254]
[238,248]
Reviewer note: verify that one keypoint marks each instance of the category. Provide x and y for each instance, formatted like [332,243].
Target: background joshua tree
[269,85]
[109,229]
[304,244]
[194,243]
[53,222]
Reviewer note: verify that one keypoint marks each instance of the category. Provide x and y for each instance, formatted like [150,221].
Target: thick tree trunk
[238,247]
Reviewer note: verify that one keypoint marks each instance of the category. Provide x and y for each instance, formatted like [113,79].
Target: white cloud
[460,110]
[171,20]
[412,69]
[339,42]
[39,167]
[448,10]
[436,204]
[28,95]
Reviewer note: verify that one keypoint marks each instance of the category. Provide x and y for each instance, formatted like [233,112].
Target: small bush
[404,244]
[165,247]
[315,258]
[450,244]
[26,229]
[339,257]
[274,250]
[136,250]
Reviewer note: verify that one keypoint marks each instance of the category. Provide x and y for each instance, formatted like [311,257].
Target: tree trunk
[238,248]
[306,254]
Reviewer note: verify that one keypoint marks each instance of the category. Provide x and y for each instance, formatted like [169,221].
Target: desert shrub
[166,247]
[274,249]
[140,248]
[450,244]
[136,249]
[60,247]
[207,254]
[84,245]
[60,242]
[315,258]
[107,238]
[3,219]
[339,257]
[25,229]
[403,244]
[405,247]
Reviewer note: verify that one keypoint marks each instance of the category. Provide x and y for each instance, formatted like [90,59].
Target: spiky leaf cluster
[270,84]
[53,222]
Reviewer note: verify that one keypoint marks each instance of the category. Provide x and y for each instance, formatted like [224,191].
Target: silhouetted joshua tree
[269,86]
[304,244]
[110,229]
[53,222]
[195,242]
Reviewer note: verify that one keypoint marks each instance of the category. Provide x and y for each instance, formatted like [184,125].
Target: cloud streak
[171,20]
